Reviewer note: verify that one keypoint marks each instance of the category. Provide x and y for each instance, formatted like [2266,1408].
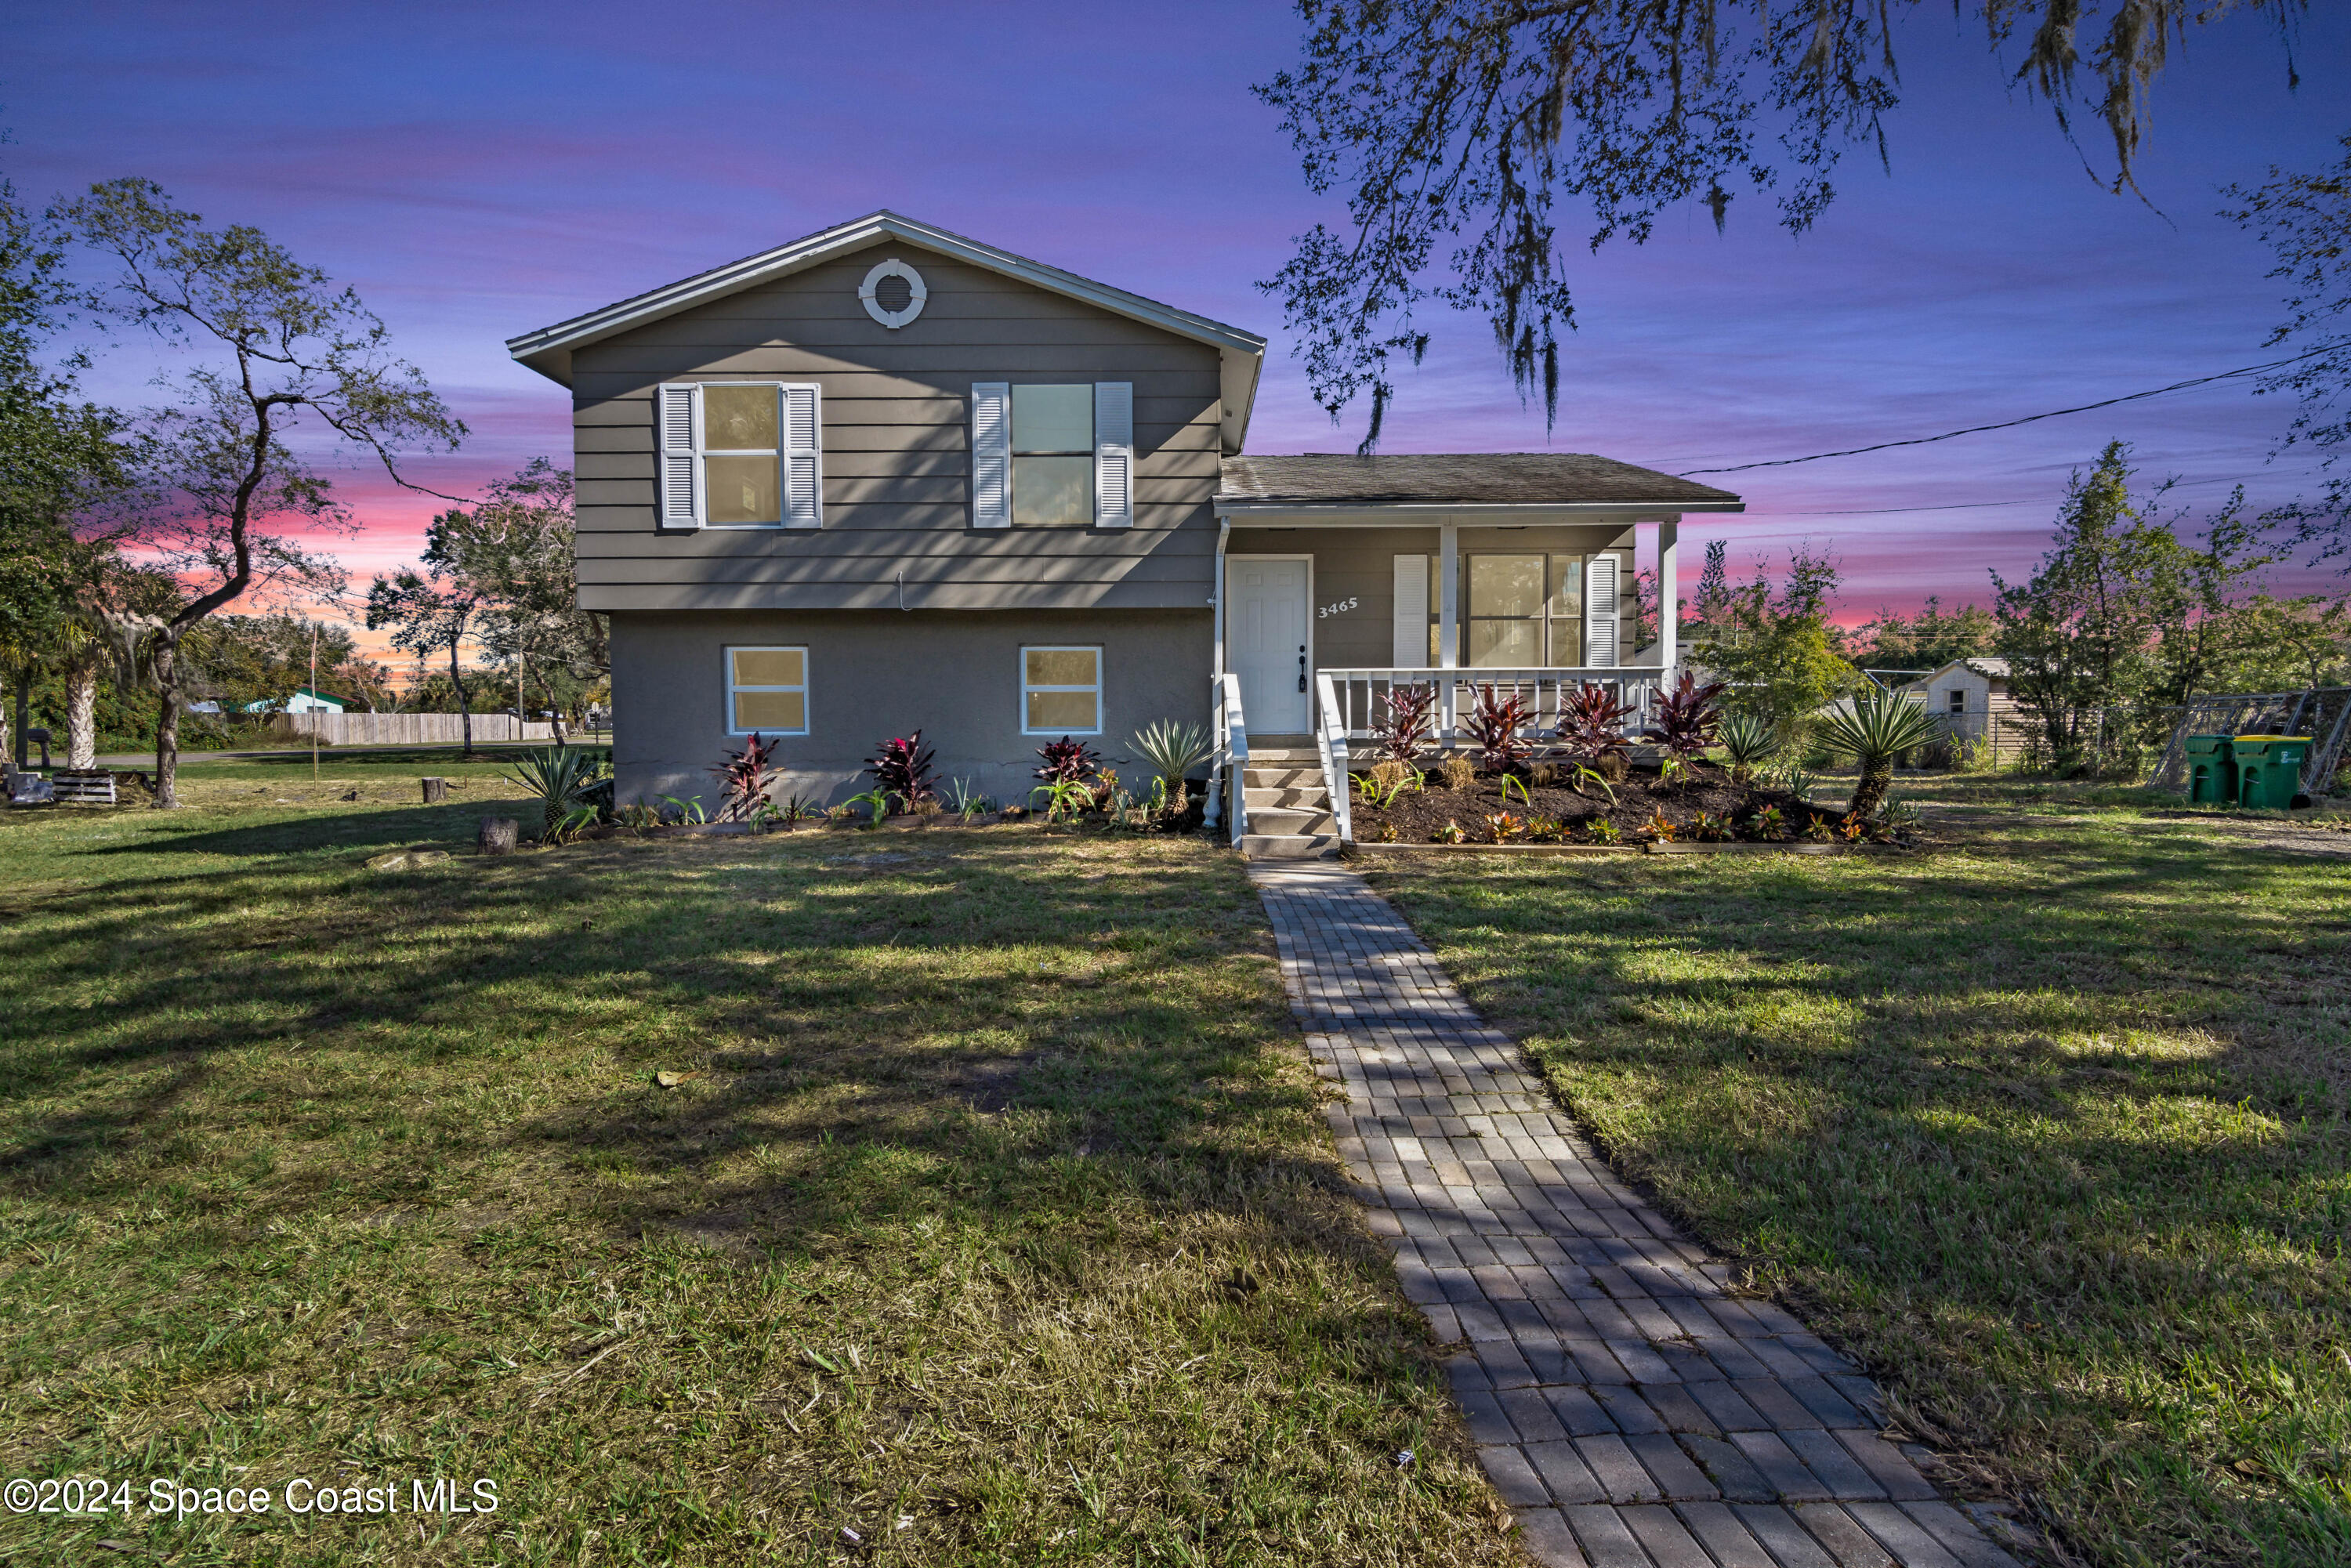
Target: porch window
[1053,456]
[1522,610]
[1060,691]
[767,691]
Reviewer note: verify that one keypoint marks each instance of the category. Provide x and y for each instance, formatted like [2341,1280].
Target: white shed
[1971,695]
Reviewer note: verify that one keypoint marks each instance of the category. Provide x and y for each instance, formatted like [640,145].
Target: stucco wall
[955,676]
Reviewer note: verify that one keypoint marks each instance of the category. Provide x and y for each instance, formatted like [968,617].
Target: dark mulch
[1418,814]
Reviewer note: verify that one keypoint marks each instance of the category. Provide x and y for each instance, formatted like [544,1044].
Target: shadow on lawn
[855,1012]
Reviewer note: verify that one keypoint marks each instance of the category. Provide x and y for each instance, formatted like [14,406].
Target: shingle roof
[1461,478]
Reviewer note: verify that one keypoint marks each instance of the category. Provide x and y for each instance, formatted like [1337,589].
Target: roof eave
[1241,506]
[549,350]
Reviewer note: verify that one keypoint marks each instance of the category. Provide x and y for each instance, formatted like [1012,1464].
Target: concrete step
[1290,846]
[1277,821]
[1255,777]
[1314,796]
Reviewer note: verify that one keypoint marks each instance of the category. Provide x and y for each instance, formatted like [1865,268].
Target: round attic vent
[893,293]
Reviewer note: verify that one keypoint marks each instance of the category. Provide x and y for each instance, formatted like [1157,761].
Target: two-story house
[886,477]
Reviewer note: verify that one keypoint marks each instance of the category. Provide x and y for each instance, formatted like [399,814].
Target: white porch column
[1669,594]
[1448,632]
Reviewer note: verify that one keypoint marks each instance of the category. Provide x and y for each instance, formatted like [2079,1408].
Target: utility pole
[314,702]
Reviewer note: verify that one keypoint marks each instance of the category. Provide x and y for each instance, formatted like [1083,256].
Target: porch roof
[1465,480]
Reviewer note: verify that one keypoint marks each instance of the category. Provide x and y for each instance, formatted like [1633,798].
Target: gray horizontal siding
[896,463]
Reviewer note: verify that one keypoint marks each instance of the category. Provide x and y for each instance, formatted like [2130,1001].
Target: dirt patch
[1704,804]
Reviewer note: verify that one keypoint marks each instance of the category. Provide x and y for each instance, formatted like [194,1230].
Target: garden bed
[1705,804]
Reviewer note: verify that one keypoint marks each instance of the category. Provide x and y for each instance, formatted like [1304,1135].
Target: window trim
[727,653]
[1058,730]
[782,452]
[1014,453]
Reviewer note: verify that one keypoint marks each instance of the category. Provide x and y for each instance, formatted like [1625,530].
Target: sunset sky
[478,169]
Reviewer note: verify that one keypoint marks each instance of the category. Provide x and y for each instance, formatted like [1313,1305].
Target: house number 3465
[1324,612]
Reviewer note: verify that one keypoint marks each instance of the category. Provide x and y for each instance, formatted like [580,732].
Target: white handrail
[1330,740]
[1542,686]
[1232,730]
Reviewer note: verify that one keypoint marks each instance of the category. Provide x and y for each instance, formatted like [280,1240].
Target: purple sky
[479,170]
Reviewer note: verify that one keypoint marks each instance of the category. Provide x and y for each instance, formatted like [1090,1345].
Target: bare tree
[1455,128]
[290,351]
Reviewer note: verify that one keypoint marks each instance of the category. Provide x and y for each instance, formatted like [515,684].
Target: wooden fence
[411,728]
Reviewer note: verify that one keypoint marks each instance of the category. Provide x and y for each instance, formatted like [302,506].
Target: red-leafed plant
[1407,720]
[901,770]
[1494,722]
[745,779]
[1068,761]
[1591,721]
[1687,718]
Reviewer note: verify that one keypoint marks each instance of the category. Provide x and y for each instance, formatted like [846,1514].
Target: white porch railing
[1360,696]
[1330,742]
[1228,768]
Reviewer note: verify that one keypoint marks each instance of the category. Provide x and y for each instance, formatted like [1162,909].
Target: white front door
[1265,633]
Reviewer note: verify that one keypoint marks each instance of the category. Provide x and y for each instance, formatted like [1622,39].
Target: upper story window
[1052,455]
[743,454]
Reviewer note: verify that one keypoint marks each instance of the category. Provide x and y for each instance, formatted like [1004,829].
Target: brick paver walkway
[1631,1412]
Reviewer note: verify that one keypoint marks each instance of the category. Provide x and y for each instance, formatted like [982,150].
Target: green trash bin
[2211,770]
[2269,769]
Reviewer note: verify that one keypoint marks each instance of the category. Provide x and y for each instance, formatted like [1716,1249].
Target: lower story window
[767,691]
[1060,691]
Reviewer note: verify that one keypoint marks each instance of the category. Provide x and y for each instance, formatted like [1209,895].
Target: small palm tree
[1874,731]
[1746,741]
[1173,751]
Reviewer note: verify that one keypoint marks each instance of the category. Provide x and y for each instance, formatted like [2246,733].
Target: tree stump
[497,836]
[436,790]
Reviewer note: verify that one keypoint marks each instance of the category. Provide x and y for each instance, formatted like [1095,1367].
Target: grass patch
[992,1215]
[2049,1128]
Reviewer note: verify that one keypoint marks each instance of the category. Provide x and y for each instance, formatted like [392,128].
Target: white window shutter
[1411,651]
[1600,612]
[802,427]
[991,454]
[679,413]
[1114,454]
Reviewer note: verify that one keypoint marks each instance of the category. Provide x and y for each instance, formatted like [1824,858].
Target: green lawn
[998,1222]
[2048,1125]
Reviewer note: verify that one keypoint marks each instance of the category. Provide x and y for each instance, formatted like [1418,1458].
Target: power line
[2010,424]
[1973,506]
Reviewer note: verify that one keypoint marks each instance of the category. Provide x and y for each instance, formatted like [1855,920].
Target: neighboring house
[886,477]
[1971,696]
[304,700]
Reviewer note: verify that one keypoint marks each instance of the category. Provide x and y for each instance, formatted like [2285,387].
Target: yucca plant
[1409,716]
[565,779]
[1173,751]
[1747,742]
[1874,731]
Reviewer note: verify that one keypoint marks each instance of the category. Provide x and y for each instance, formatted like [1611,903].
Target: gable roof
[1468,480]
[1240,352]
[1992,667]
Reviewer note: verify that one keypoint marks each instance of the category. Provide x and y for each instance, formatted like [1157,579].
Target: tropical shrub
[1450,833]
[1065,799]
[1407,718]
[1659,828]
[901,770]
[1687,718]
[1545,829]
[1505,827]
[1708,828]
[1067,762]
[877,801]
[565,779]
[1874,731]
[745,779]
[1768,824]
[1387,834]
[1605,831]
[1591,721]
[1495,722]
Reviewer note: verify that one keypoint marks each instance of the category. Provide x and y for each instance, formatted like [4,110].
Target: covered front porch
[1341,578]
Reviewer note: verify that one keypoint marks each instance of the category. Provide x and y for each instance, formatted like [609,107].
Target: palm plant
[1748,742]
[1409,717]
[1591,721]
[566,778]
[1494,722]
[1874,731]
[1173,751]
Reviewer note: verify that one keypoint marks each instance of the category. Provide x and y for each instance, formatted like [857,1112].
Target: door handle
[1302,667]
